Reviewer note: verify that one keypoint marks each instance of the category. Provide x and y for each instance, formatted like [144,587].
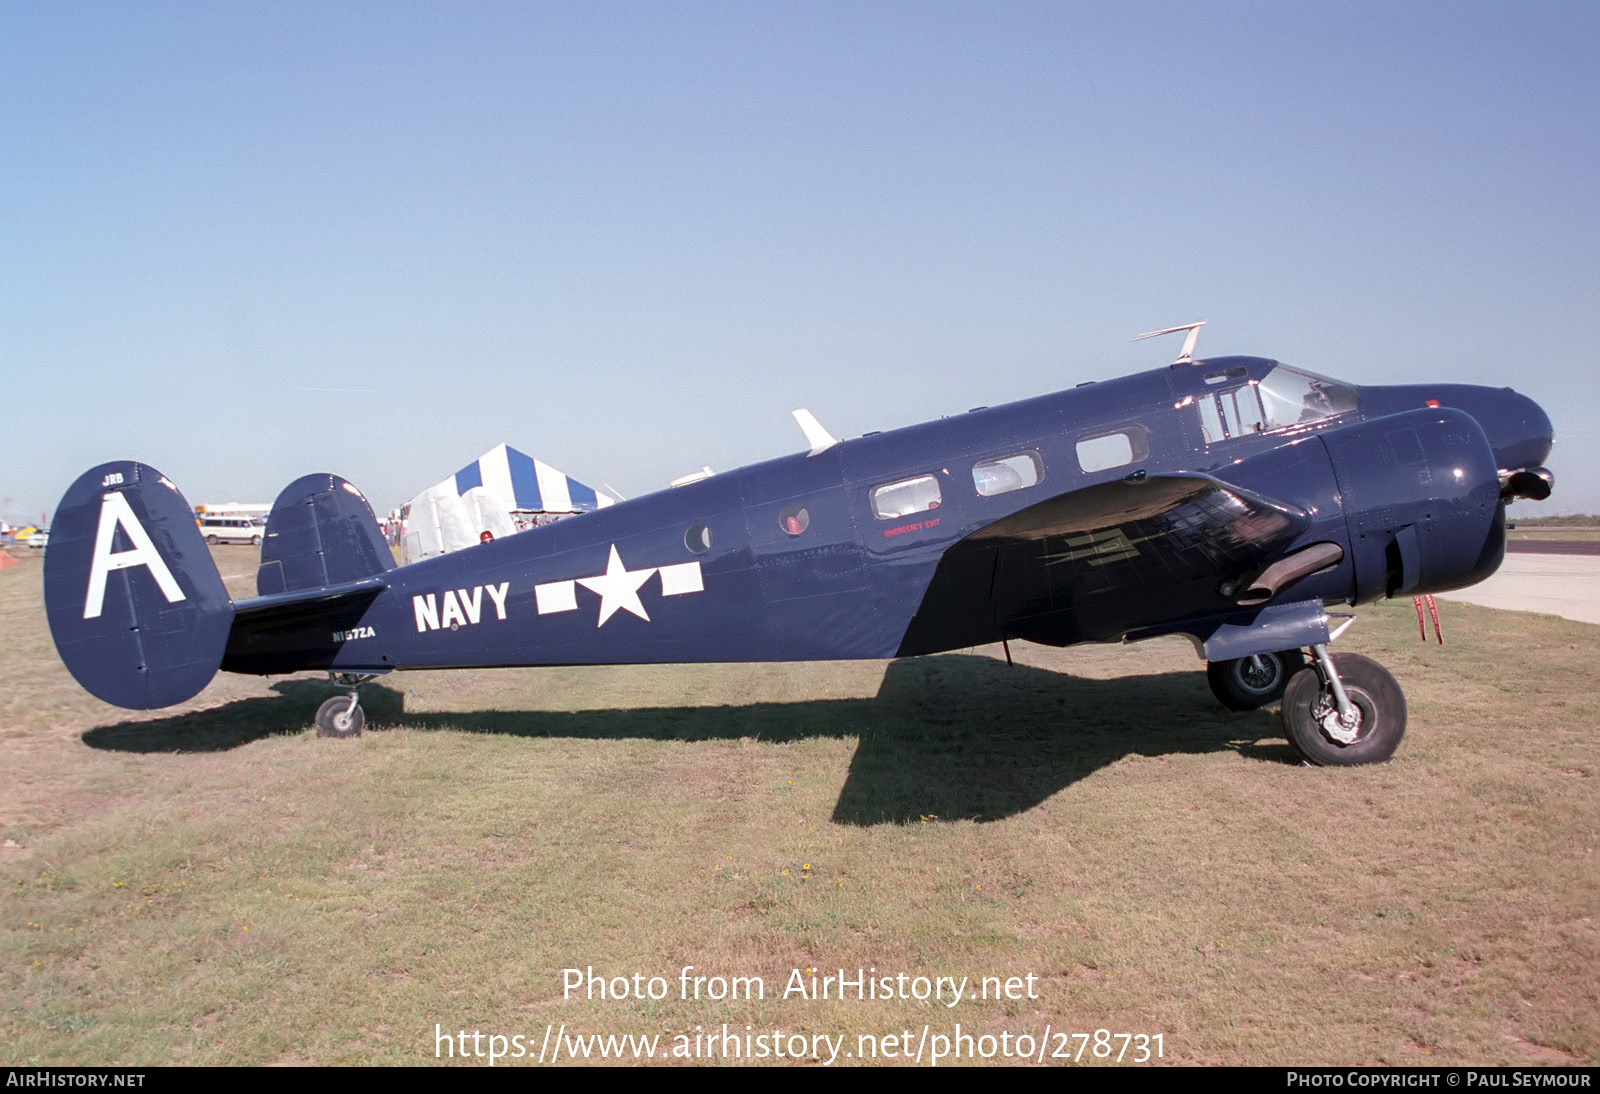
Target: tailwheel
[1250,683]
[341,716]
[1347,709]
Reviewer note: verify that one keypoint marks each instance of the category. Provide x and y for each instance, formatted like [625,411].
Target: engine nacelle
[1422,502]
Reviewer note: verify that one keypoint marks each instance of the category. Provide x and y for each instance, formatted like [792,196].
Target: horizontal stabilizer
[310,604]
[288,632]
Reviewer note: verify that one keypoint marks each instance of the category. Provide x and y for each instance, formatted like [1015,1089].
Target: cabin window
[697,539]
[1113,449]
[1001,476]
[794,520]
[901,499]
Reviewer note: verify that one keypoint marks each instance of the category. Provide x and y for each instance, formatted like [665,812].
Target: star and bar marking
[618,588]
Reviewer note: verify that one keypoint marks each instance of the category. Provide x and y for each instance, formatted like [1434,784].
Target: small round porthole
[697,538]
[794,520]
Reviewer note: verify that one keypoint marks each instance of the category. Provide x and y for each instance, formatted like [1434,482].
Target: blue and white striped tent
[528,485]
[490,494]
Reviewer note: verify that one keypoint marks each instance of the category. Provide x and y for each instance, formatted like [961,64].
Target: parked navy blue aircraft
[1235,500]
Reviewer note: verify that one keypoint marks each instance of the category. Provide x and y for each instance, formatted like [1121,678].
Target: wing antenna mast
[1187,356]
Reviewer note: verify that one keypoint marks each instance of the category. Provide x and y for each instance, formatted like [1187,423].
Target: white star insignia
[618,588]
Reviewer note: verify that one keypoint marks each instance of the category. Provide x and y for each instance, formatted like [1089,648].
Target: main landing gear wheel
[1371,733]
[340,716]
[1250,683]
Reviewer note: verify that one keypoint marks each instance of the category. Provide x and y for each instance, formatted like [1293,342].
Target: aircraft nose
[1519,430]
[1520,433]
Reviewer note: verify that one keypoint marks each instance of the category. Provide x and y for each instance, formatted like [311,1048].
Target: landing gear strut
[342,716]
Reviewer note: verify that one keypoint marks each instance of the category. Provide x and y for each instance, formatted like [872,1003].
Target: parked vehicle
[233,529]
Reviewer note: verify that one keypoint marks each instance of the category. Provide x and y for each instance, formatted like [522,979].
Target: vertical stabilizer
[321,532]
[136,606]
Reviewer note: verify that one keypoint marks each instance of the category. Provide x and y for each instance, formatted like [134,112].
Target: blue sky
[243,242]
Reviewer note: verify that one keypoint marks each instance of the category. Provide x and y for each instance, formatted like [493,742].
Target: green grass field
[215,885]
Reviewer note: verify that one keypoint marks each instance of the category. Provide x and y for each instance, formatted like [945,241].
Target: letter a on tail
[136,606]
[114,514]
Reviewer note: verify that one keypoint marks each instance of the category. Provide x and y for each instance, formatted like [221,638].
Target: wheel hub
[1343,730]
[1258,672]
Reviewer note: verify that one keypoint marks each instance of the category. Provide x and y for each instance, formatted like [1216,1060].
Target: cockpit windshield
[1292,397]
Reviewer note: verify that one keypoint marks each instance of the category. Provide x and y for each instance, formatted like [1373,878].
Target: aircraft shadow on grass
[955,737]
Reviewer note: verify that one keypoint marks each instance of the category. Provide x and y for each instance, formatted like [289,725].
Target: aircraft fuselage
[970,529]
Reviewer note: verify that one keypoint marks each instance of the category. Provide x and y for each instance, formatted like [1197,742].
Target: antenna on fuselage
[818,438]
[1187,356]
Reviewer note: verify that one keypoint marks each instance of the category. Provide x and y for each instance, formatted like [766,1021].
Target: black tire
[333,721]
[211,540]
[1242,685]
[1375,694]
[255,541]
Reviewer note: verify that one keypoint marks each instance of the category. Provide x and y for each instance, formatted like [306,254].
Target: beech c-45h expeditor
[1236,500]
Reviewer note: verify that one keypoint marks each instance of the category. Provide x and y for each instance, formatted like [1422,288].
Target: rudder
[137,609]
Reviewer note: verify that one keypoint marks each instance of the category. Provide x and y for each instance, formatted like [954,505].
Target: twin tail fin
[136,606]
[321,532]
[139,612]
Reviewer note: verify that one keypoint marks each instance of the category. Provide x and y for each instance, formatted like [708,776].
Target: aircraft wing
[1098,563]
[1192,507]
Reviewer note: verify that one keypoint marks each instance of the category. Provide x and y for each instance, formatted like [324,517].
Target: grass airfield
[213,884]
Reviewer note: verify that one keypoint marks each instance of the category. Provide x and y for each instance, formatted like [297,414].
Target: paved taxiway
[1567,585]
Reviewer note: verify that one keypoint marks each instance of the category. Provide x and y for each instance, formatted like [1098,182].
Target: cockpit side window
[1241,410]
[1233,413]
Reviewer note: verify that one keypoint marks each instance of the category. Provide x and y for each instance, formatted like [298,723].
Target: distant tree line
[1575,520]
